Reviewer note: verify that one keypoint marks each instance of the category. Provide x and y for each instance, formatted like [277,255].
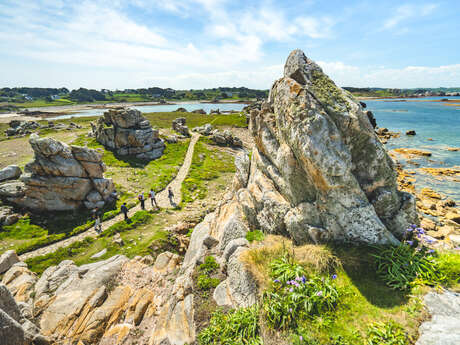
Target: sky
[193,44]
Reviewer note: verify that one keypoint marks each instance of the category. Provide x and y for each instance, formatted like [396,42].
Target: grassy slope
[207,164]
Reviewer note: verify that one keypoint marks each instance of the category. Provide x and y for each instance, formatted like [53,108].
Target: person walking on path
[124,210]
[142,200]
[152,198]
[171,197]
[96,215]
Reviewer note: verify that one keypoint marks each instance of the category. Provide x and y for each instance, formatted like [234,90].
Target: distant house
[55,97]
[28,98]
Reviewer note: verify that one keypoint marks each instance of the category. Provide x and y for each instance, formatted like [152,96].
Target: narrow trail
[161,198]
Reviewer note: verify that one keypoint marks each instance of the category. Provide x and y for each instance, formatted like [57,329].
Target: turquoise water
[429,120]
[162,108]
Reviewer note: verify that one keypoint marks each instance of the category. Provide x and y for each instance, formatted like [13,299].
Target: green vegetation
[141,175]
[389,333]
[402,267]
[39,263]
[39,97]
[164,120]
[240,326]
[255,235]
[336,293]
[207,164]
[205,281]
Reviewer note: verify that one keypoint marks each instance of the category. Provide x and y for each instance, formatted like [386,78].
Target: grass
[207,164]
[137,174]
[364,298]
[164,120]
[137,235]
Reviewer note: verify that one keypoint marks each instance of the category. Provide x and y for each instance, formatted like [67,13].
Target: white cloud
[407,12]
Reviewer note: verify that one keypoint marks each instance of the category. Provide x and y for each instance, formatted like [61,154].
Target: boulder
[7,260]
[18,127]
[179,126]
[8,304]
[60,178]
[204,130]
[11,172]
[180,110]
[199,111]
[128,133]
[410,132]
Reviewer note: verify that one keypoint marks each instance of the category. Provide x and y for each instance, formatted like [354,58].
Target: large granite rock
[128,133]
[318,171]
[443,327]
[60,178]
[11,332]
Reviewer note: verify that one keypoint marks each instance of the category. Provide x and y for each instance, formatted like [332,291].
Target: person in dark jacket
[124,210]
[142,200]
[171,197]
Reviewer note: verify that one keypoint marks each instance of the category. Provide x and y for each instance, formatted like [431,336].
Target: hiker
[142,200]
[171,196]
[124,210]
[97,220]
[152,198]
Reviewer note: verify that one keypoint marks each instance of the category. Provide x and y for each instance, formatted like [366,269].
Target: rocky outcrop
[18,127]
[226,138]
[318,170]
[8,216]
[60,178]
[115,301]
[442,328]
[179,126]
[128,133]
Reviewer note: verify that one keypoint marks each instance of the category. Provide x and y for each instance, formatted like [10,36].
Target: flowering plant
[295,295]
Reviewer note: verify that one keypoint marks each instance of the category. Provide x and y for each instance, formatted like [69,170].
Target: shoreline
[42,113]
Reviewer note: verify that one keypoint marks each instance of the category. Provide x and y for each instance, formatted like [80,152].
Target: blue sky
[187,44]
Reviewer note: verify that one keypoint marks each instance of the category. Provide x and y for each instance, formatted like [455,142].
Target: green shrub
[389,333]
[449,265]
[240,326]
[294,295]
[209,265]
[402,267]
[255,235]
[139,218]
[205,282]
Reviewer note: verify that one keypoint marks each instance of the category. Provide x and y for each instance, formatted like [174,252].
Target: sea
[161,108]
[437,127]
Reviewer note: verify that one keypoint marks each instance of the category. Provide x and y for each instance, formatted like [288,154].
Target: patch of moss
[328,93]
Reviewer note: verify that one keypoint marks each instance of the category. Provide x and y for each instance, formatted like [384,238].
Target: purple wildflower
[431,251]
[300,338]
[291,289]
[290,310]
[413,226]
[410,243]
[304,280]
[334,276]
[319,293]
[276,281]
[420,231]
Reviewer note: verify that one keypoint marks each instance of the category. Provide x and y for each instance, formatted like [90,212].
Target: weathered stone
[59,179]
[128,133]
[226,138]
[179,126]
[442,328]
[204,130]
[232,246]
[7,260]
[11,172]
[11,332]
[8,304]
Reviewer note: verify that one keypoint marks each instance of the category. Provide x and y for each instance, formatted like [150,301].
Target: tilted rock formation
[60,178]
[128,133]
[318,171]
